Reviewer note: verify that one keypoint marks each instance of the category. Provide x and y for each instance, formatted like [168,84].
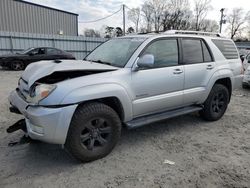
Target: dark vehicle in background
[20,60]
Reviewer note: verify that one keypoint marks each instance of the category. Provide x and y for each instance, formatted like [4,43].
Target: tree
[118,32]
[130,30]
[201,8]
[109,32]
[91,33]
[159,7]
[147,10]
[134,16]
[236,20]
[177,15]
[248,20]
[143,30]
[209,26]
[113,32]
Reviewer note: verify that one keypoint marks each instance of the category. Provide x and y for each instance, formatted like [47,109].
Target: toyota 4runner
[129,81]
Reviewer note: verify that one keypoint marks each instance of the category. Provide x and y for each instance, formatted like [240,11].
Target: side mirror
[146,61]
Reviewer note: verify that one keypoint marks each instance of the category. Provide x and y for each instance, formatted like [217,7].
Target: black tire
[216,103]
[93,121]
[17,65]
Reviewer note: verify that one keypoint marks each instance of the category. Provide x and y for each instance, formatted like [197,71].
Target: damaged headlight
[39,92]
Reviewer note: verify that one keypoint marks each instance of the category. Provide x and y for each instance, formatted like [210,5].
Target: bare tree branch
[147,10]
[134,16]
[236,20]
[200,10]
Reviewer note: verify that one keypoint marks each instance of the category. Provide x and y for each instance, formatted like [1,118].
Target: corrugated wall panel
[17,16]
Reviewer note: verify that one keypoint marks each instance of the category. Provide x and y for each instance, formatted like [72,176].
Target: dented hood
[38,70]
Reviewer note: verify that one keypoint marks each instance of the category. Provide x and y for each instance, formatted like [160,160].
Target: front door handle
[210,67]
[178,71]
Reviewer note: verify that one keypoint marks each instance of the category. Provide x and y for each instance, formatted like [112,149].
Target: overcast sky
[94,9]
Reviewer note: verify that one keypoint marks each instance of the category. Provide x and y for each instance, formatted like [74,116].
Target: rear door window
[206,54]
[227,48]
[192,51]
[195,51]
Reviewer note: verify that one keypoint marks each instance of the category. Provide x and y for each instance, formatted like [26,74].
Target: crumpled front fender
[99,91]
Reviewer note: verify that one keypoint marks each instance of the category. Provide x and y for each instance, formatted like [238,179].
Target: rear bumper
[46,124]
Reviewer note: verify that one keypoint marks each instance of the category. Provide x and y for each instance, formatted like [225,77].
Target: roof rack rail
[192,33]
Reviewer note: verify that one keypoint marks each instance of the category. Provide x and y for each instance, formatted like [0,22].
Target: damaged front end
[19,125]
[38,97]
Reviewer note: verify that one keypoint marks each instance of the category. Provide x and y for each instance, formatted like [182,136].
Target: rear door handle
[178,71]
[210,67]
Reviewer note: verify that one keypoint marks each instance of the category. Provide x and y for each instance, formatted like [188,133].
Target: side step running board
[138,122]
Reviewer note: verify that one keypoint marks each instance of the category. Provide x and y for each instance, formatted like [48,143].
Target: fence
[243,44]
[79,46]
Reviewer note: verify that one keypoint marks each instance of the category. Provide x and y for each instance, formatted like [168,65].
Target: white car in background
[246,78]
[246,62]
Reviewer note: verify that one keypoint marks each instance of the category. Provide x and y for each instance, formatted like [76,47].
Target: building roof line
[30,3]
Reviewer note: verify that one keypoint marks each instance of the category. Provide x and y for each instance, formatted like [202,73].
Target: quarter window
[227,48]
[165,53]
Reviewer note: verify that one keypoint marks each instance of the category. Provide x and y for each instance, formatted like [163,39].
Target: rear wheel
[17,65]
[94,131]
[216,103]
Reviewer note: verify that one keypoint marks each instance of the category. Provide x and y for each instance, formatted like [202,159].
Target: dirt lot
[206,154]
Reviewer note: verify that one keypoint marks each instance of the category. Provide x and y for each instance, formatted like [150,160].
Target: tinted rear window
[192,51]
[227,48]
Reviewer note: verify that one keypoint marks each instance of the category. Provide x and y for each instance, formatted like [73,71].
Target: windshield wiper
[100,61]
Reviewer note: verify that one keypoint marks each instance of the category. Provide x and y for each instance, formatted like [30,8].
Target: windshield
[25,51]
[115,52]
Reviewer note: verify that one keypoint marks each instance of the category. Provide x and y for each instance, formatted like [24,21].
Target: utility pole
[123,10]
[222,20]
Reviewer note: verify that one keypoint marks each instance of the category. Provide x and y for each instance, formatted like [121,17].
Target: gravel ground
[206,154]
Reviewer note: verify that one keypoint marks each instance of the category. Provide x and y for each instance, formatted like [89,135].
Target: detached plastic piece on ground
[16,126]
[23,140]
[168,162]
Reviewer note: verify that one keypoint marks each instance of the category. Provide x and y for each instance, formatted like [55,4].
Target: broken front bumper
[44,123]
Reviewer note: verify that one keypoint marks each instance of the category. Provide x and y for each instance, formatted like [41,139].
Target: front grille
[23,88]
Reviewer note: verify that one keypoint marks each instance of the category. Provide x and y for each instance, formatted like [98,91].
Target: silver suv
[129,81]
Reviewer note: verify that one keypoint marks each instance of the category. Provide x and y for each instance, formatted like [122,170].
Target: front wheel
[94,131]
[216,103]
